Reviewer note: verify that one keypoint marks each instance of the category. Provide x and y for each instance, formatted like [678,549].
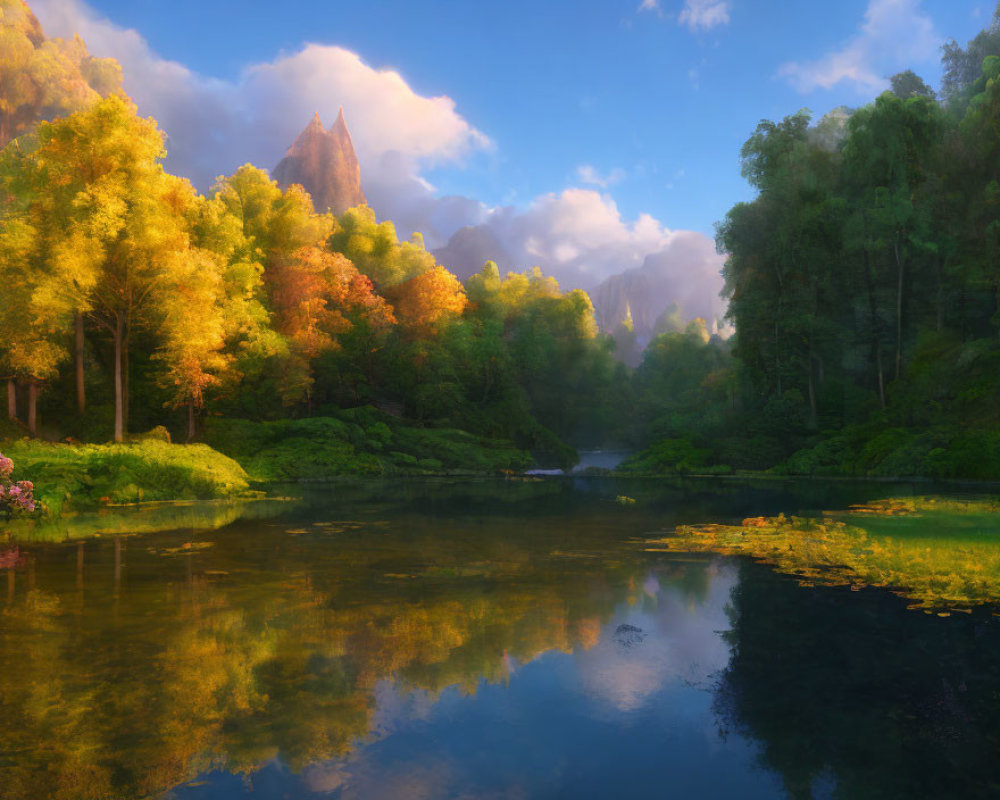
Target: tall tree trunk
[881,377]
[940,294]
[81,392]
[119,393]
[32,407]
[190,436]
[11,399]
[777,357]
[126,378]
[899,308]
[812,396]
[876,345]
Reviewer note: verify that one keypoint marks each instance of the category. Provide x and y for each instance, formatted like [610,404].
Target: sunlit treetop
[43,78]
[375,249]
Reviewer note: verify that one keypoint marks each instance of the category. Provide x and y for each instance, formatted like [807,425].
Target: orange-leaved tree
[317,295]
[428,301]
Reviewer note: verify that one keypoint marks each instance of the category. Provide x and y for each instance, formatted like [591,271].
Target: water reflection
[852,695]
[503,640]
[612,717]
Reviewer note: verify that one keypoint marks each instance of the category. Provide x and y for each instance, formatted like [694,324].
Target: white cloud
[580,237]
[649,5]
[214,126]
[588,174]
[577,235]
[895,35]
[704,14]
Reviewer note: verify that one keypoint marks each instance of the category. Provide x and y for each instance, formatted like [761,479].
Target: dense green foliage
[356,442]
[863,283]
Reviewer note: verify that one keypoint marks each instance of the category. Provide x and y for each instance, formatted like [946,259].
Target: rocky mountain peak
[324,163]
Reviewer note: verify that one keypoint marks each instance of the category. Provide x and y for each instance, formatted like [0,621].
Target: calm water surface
[483,640]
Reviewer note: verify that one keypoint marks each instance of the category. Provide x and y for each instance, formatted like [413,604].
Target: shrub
[669,455]
[15,497]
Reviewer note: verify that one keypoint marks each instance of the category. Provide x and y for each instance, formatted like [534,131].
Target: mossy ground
[86,476]
[360,442]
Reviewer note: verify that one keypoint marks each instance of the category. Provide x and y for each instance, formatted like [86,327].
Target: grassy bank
[87,476]
[357,442]
[360,442]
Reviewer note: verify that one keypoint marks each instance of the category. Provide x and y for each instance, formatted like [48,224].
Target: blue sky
[586,137]
[659,108]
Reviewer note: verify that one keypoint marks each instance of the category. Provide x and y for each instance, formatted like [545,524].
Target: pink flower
[14,496]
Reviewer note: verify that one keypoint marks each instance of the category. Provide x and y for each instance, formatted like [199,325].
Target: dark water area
[470,639]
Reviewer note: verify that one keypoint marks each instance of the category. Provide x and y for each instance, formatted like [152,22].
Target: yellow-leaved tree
[110,231]
[42,78]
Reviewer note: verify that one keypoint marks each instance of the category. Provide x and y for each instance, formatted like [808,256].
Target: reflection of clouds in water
[396,705]
[359,779]
[413,751]
[682,642]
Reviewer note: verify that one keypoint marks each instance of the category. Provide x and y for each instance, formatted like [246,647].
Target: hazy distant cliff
[682,281]
[324,163]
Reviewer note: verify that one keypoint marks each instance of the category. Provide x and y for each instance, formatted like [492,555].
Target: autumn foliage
[428,300]
[244,302]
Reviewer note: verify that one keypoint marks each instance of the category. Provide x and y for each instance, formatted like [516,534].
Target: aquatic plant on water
[16,497]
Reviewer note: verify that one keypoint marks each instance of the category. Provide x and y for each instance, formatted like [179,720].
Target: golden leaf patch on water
[942,568]
[905,506]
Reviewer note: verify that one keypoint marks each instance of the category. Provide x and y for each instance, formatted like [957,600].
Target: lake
[547,638]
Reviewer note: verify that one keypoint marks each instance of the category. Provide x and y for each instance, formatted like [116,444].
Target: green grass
[358,442]
[86,476]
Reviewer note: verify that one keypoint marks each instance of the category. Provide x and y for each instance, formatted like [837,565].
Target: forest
[863,283]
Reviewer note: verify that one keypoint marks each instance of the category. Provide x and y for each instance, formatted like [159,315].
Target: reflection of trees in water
[853,687]
[127,668]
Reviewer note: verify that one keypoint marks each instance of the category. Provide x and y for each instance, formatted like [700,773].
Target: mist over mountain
[631,272]
[681,276]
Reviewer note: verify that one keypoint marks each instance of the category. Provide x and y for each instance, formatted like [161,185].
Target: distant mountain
[471,247]
[324,163]
[670,288]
